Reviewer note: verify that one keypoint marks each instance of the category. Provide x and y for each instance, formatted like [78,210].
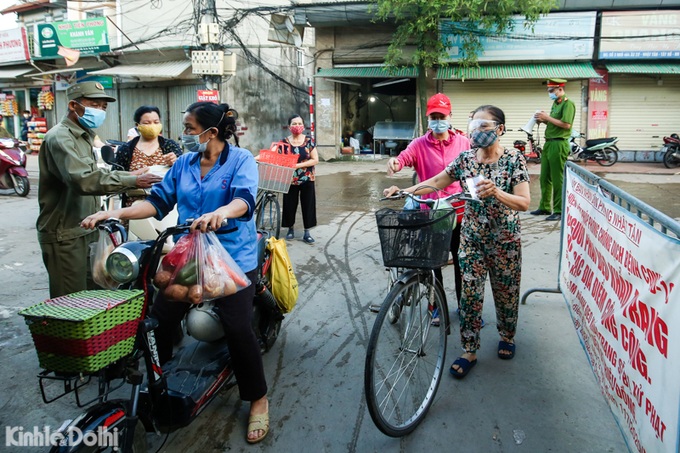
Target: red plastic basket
[279,159]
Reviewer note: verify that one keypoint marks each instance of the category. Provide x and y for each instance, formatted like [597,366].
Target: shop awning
[643,68]
[520,71]
[163,70]
[365,72]
[53,72]
[12,72]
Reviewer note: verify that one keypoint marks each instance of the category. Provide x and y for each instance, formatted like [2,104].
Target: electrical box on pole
[213,62]
[209,33]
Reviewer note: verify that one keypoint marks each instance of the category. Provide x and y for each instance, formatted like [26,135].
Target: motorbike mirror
[108,155]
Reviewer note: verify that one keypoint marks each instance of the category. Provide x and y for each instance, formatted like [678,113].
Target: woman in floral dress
[302,186]
[491,233]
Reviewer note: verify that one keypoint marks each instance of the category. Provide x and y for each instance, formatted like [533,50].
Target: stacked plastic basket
[276,170]
[85,331]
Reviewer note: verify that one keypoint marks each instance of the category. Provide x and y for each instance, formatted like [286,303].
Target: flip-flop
[258,422]
[465,367]
[505,346]
[435,318]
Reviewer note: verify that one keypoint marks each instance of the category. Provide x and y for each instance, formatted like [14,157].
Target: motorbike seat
[599,141]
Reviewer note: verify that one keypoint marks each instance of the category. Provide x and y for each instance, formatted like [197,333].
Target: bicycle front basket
[415,239]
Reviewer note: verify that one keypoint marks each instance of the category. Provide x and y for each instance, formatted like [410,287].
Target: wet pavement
[545,400]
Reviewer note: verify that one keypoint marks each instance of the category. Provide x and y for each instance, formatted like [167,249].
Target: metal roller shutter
[518,99]
[641,111]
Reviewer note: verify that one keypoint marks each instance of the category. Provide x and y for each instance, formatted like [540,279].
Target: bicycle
[275,168]
[406,349]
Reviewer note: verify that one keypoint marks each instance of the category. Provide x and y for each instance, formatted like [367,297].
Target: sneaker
[308,239]
[540,212]
[555,216]
[291,234]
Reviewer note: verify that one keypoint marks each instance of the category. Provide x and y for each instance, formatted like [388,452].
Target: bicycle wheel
[405,356]
[269,216]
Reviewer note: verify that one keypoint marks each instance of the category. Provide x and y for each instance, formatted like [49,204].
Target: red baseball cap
[439,103]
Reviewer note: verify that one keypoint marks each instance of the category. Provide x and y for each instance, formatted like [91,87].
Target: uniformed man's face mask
[92,118]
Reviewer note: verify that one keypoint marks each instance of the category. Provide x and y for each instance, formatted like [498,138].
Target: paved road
[547,394]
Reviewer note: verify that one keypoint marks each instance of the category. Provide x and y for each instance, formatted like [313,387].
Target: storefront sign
[87,36]
[14,45]
[559,36]
[598,106]
[640,34]
[619,277]
[209,96]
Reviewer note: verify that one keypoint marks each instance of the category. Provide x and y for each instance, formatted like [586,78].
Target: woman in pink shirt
[429,155]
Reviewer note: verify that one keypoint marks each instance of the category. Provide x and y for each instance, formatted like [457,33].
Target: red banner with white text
[619,277]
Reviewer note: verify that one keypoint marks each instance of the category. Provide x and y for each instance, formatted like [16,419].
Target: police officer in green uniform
[556,149]
[69,187]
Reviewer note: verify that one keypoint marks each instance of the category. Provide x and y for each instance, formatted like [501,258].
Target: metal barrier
[648,214]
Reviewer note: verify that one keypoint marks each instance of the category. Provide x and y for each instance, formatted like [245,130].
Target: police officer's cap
[552,83]
[89,90]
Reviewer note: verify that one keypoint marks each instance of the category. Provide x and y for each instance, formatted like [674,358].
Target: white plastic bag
[99,252]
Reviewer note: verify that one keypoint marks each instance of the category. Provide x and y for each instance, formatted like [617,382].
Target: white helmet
[203,323]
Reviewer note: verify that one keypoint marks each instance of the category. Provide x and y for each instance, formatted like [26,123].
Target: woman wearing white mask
[212,183]
[491,233]
[429,155]
[149,148]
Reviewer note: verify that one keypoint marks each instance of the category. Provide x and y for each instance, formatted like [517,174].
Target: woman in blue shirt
[213,182]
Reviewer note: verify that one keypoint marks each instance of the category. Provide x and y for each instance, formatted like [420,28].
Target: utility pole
[211,62]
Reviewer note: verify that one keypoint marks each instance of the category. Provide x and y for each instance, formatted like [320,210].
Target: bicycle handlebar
[462,196]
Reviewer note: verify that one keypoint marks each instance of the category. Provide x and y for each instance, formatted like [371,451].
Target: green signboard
[87,36]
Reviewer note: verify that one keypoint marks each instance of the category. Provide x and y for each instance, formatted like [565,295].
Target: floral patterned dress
[490,244]
[141,160]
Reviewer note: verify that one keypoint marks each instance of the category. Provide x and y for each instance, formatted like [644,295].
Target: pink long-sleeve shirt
[429,156]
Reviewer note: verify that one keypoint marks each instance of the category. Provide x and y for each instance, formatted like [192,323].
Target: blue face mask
[483,139]
[438,126]
[552,96]
[193,144]
[92,118]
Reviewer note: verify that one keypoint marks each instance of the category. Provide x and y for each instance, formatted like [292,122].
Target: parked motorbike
[601,150]
[13,174]
[671,146]
[172,395]
[531,148]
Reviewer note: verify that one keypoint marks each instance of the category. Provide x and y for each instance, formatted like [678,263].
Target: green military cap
[90,90]
[556,82]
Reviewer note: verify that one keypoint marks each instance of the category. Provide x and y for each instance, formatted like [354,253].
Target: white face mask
[438,126]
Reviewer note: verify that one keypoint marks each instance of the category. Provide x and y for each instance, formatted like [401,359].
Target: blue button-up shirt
[233,176]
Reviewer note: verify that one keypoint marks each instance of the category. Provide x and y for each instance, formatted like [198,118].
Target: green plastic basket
[88,364]
[86,316]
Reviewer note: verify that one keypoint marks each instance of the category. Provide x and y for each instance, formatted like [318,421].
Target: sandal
[465,367]
[435,318]
[508,347]
[255,423]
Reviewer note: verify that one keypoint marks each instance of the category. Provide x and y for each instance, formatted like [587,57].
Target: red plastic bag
[199,269]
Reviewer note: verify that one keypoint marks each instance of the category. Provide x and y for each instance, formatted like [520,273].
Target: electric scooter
[601,150]
[162,398]
[13,174]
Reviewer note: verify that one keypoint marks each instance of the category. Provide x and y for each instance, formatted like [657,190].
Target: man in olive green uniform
[556,149]
[69,187]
